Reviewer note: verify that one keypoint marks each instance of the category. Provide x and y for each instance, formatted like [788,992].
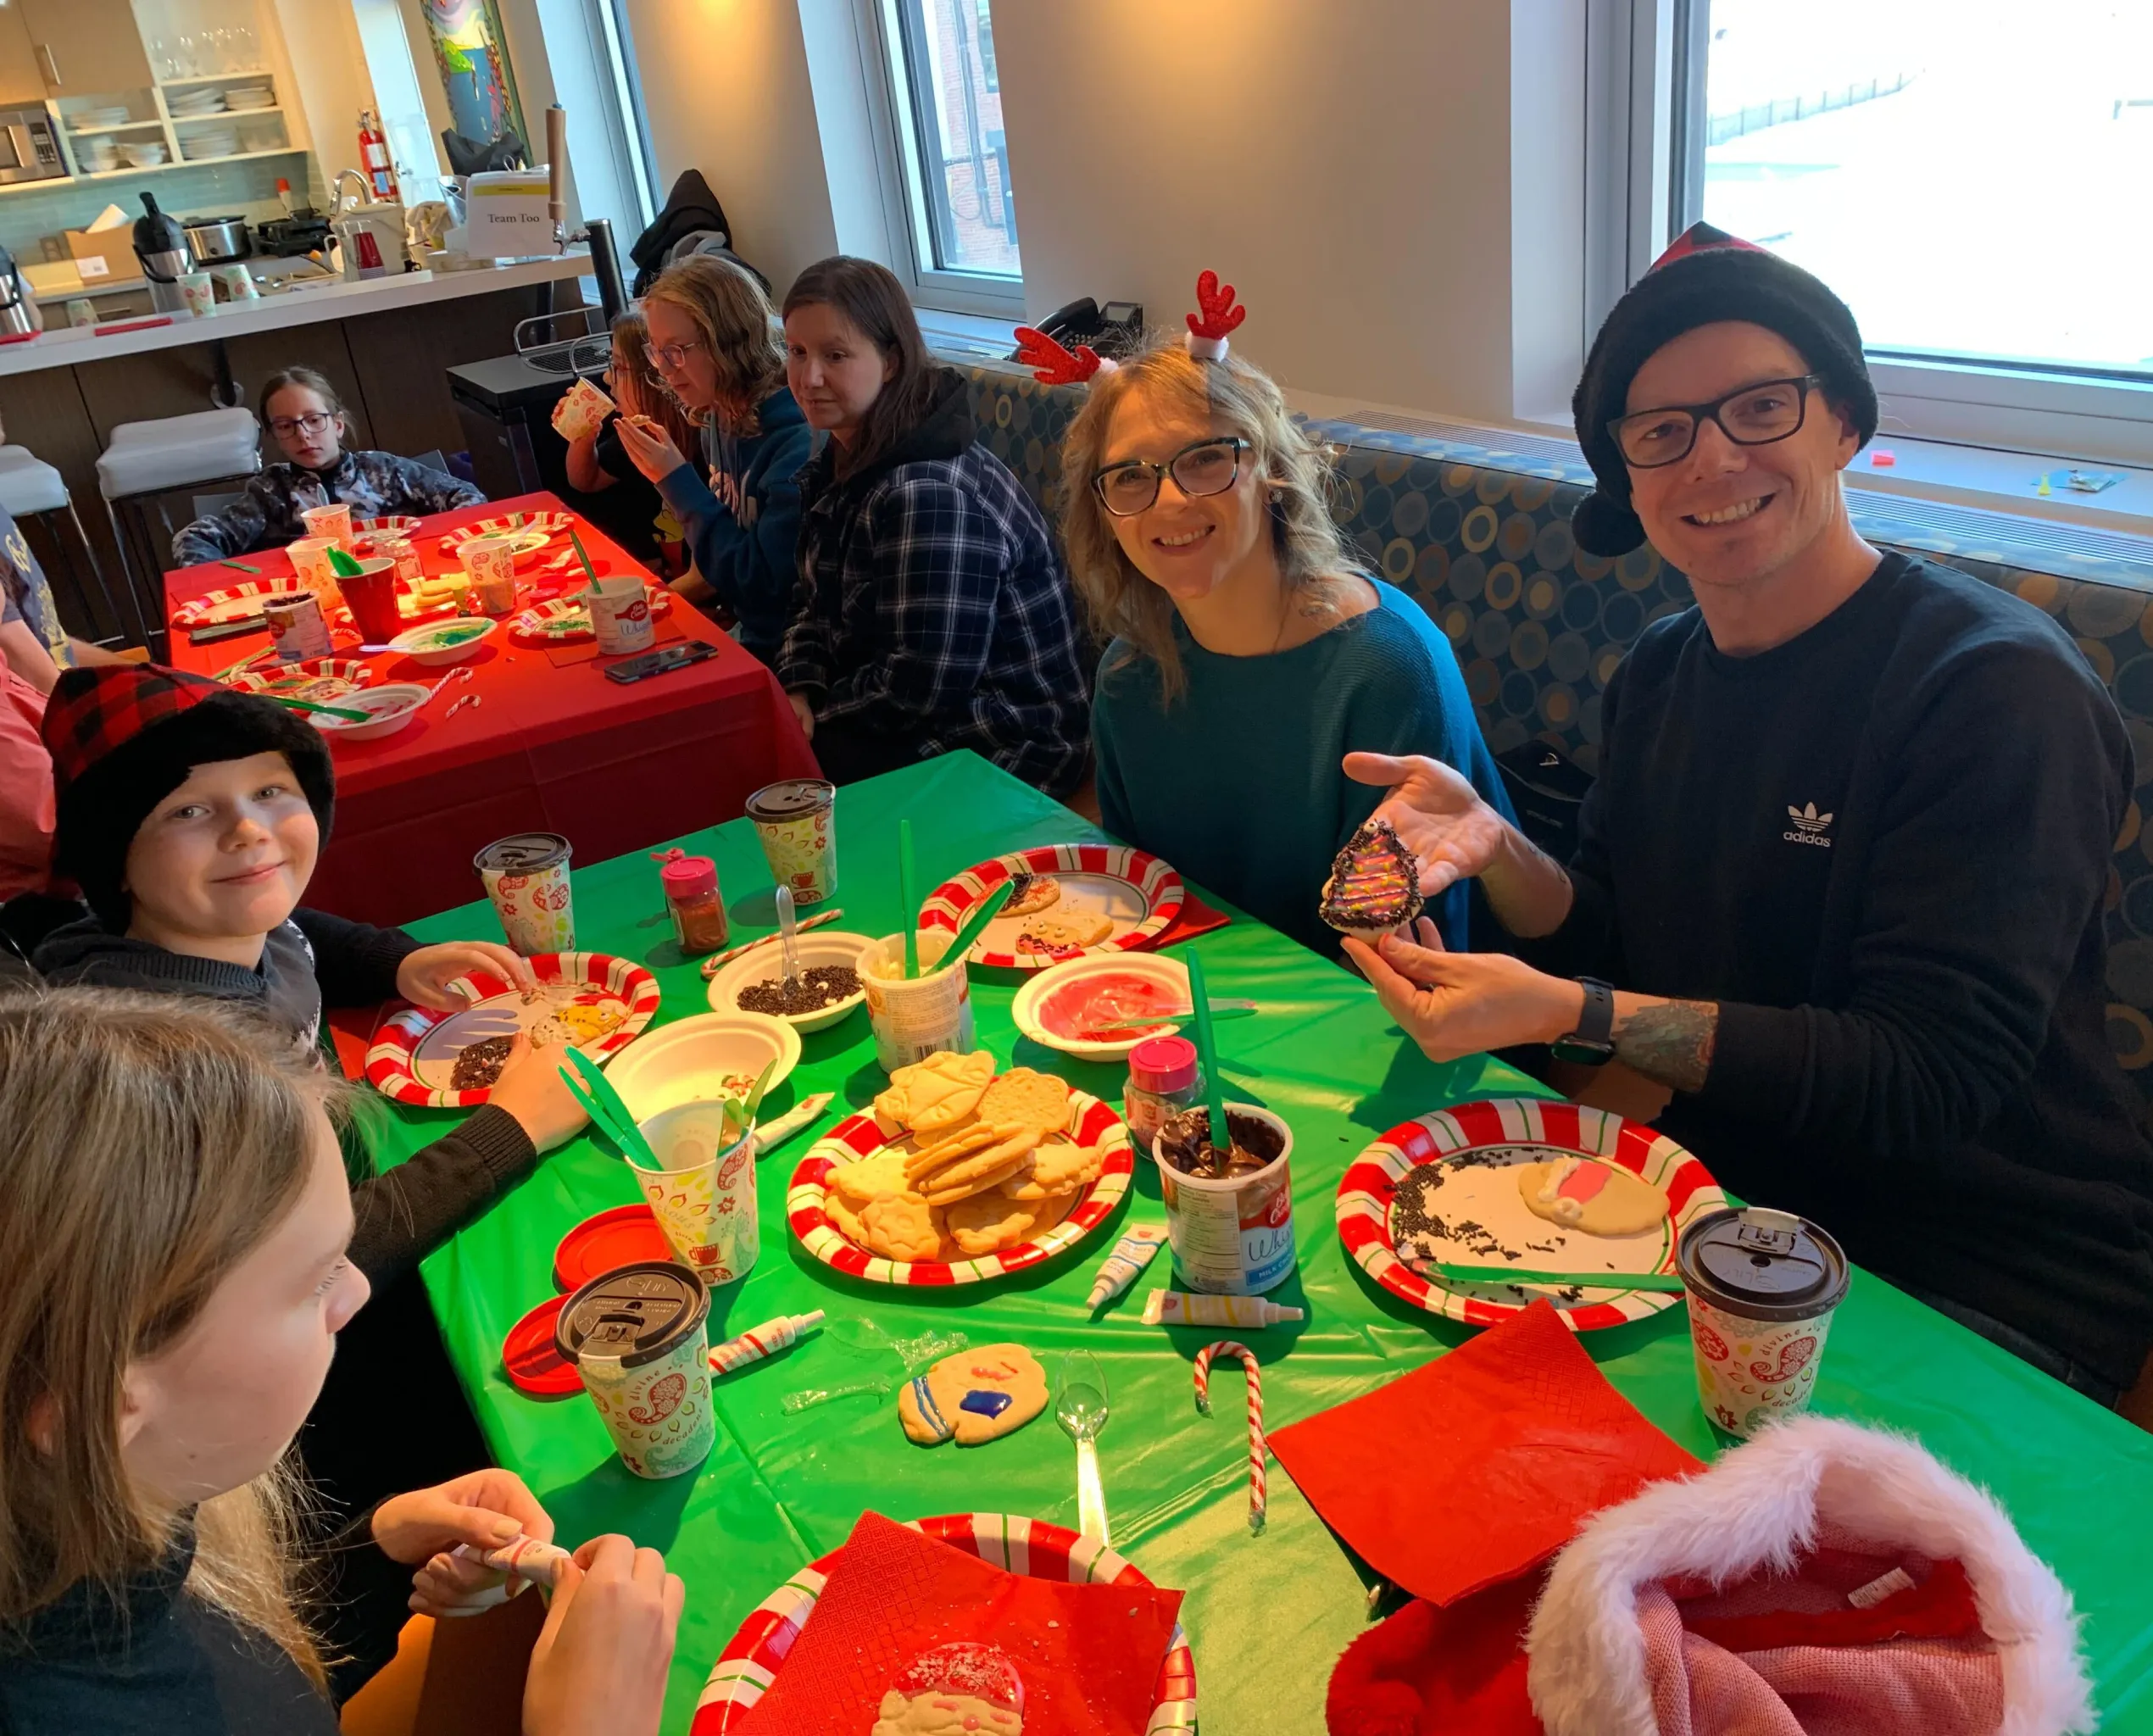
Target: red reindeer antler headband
[1218,316]
[1052,365]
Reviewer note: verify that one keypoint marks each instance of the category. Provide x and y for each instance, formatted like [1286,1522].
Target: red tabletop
[552,746]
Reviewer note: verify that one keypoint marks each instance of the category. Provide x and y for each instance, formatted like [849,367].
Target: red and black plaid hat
[122,737]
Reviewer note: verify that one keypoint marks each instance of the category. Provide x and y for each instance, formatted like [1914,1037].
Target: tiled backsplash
[29,216]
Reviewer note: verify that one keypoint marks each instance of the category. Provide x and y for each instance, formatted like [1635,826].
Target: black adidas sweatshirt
[1884,848]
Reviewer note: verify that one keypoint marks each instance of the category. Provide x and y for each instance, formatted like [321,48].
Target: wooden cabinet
[85,47]
[22,82]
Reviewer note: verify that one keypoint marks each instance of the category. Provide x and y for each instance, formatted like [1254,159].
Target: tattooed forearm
[1669,1040]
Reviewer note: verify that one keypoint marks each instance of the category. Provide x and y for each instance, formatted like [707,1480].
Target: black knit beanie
[123,736]
[1706,276]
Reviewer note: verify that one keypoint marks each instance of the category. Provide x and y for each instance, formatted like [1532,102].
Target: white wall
[329,69]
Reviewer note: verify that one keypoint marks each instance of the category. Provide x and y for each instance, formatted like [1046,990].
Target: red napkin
[1196,917]
[351,1030]
[1481,1465]
[1088,1655]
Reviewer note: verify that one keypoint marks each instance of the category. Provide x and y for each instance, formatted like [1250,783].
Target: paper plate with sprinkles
[1031,1548]
[1074,901]
[1450,1187]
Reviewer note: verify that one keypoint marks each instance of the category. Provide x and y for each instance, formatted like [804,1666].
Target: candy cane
[1257,1501]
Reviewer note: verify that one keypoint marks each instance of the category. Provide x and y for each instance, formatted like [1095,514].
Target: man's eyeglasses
[284,427]
[1202,467]
[671,355]
[1756,415]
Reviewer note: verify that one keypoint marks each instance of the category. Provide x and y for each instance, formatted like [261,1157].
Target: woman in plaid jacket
[932,611]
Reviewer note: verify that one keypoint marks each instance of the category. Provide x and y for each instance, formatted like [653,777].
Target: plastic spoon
[787,934]
[341,564]
[907,887]
[1081,1408]
[345,712]
[976,923]
[1207,1056]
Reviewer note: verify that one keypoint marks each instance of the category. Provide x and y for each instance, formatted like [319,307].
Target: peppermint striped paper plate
[235,602]
[1133,890]
[1091,1122]
[1477,1141]
[1031,1547]
[417,1045]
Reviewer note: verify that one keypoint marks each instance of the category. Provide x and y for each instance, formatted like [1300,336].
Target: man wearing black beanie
[1839,884]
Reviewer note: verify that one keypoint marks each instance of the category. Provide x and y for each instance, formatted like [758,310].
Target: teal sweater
[1237,782]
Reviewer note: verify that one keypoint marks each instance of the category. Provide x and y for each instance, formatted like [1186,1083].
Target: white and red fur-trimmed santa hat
[1217,315]
[1705,1605]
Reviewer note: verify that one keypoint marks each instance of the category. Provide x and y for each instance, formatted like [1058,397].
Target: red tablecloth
[554,747]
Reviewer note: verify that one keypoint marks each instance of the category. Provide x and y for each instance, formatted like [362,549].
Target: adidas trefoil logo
[1808,825]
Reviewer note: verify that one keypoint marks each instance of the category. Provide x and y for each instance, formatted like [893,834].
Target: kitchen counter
[62,346]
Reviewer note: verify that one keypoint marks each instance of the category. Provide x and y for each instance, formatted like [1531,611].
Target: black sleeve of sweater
[354,962]
[1991,857]
[406,1213]
[1585,944]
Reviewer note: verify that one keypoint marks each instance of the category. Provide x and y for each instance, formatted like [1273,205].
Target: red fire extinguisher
[374,156]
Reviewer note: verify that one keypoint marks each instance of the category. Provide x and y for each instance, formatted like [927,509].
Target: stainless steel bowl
[215,240]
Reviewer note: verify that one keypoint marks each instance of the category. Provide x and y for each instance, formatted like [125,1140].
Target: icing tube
[1131,1254]
[525,1561]
[764,1340]
[1181,1308]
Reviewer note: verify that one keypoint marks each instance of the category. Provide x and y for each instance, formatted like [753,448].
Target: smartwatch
[1592,1044]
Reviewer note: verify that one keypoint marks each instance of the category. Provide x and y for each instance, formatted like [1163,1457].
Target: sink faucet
[337,205]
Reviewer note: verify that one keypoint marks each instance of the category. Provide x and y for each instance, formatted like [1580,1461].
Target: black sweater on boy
[314,959]
[1884,848]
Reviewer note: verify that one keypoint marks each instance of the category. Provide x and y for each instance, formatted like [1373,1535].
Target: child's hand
[532,1090]
[424,976]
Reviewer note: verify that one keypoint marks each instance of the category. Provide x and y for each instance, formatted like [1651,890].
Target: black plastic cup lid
[640,1313]
[1762,1264]
[790,798]
[525,853]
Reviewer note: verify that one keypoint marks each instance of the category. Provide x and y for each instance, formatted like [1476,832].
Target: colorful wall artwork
[470,51]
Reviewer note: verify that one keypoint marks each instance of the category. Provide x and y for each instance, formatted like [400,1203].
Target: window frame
[1646,63]
[894,125]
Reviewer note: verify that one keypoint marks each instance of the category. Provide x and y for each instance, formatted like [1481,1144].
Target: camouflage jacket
[267,516]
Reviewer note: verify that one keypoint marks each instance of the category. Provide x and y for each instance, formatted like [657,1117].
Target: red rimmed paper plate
[542,525]
[566,620]
[320,679]
[1091,1122]
[592,1000]
[1029,1547]
[235,603]
[1107,898]
[1443,1186]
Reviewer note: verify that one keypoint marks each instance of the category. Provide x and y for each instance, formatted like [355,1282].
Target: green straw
[606,1107]
[906,886]
[241,566]
[590,572]
[1662,1281]
[989,908]
[1207,1056]
[341,564]
[342,711]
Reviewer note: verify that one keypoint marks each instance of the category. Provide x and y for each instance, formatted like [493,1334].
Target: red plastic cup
[371,594]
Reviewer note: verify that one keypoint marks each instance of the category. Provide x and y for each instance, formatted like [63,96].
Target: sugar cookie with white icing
[1596,1197]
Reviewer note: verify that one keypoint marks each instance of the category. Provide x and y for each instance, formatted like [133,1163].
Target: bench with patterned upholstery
[1481,538]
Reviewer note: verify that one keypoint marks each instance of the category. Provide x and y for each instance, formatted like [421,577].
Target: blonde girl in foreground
[174,1217]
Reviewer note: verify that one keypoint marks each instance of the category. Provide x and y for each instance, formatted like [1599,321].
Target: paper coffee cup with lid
[1762,1286]
[526,876]
[795,821]
[637,1338]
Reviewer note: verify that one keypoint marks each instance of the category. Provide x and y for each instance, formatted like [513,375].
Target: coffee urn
[161,246]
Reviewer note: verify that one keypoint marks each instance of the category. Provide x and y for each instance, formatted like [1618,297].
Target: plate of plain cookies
[1072,901]
[959,1173]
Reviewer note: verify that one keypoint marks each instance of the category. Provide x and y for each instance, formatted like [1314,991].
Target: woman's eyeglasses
[1203,467]
[1756,415]
[671,355]
[284,427]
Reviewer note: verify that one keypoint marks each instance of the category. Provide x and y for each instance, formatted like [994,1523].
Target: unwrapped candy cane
[1257,1499]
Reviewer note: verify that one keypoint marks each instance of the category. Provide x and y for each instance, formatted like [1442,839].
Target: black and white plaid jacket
[932,604]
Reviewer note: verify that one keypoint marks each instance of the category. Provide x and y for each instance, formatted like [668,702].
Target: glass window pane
[964,170]
[1969,175]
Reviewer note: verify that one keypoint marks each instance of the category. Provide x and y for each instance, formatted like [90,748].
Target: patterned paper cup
[526,876]
[638,1338]
[1762,1286]
[704,1197]
[331,523]
[797,822]
[913,1018]
[309,558]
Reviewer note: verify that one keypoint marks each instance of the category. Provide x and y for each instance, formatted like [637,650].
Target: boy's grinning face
[227,855]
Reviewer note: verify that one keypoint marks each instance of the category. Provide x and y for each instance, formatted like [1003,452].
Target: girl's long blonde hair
[1314,561]
[147,1144]
[734,320]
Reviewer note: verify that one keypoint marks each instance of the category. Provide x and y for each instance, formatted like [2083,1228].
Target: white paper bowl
[1169,974]
[687,1060]
[392,707]
[821,946]
[422,646]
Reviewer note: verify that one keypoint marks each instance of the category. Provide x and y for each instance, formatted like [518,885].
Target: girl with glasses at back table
[301,411]
[1250,652]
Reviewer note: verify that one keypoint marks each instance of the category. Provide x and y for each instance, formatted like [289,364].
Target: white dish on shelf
[145,156]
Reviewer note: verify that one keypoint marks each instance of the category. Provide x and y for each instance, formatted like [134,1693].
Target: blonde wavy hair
[1315,560]
[150,1144]
[734,318]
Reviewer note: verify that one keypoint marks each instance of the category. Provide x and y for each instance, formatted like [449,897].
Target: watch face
[1582,1050]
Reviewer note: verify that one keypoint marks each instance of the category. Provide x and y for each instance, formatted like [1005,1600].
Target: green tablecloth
[1267,1615]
